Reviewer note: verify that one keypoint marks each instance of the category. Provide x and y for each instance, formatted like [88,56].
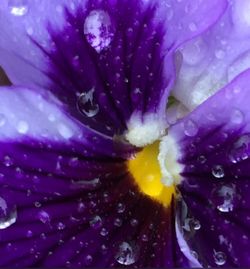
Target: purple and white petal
[213,59]
[214,146]
[113,73]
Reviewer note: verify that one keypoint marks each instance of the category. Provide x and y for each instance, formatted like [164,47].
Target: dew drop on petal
[98,29]
[86,104]
[2,120]
[219,258]
[22,127]
[218,171]
[127,253]
[240,149]
[237,116]
[96,222]
[18,7]
[190,128]
[8,214]
[44,217]
[224,198]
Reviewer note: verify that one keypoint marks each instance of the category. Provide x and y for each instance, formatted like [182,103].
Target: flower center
[146,171]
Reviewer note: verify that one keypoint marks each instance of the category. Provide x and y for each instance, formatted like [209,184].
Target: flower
[84,117]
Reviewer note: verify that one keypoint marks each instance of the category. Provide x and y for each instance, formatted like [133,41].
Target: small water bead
[190,128]
[127,253]
[61,226]
[193,27]
[220,54]
[121,208]
[88,260]
[134,222]
[240,149]
[225,198]
[96,222]
[8,214]
[8,161]
[2,120]
[118,222]
[219,258]
[44,217]
[98,30]
[218,171]
[87,105]
[29,233]
[237,116]
[104,232]
[18,7]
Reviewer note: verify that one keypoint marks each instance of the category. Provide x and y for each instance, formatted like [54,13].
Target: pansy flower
[92,172]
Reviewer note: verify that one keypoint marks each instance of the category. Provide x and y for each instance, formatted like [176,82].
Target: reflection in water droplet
[190,128]
[98,29]
[87,105]
[8,214]
[218,171]
[219,257]
[127,253]
[18,7]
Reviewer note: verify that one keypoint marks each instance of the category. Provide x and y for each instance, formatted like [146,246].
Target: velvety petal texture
[106,68]
[213,59]
[213,141]
[66,196]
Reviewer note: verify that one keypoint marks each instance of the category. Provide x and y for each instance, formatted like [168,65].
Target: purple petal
[215,58]
[214,146]
[105,67]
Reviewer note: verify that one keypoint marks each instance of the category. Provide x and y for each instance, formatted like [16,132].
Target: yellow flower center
[146,171]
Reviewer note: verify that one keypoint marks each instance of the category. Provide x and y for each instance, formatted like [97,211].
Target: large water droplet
[190,128]
[218,171]
[18,7]
[219,257]
[8,214]
[98,29]
[87,105]
[127,253]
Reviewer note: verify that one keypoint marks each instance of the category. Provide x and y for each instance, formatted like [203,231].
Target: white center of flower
[146,131]
[168,160]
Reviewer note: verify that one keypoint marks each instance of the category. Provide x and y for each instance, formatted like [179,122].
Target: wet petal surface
[214,143]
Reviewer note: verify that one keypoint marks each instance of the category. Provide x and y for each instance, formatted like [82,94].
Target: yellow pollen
[146,171]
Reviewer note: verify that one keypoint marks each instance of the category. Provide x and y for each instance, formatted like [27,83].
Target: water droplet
[98,30]
[18,7]
[64,131]
[127,253]
[44,217]
[134,222]
[224,198]
[2,120]
[219,257]
[88,260]
[220,54]
[118,222]
[8,214]
[121,208]
[61,226]
[237,116]
[144,238]
[86,104]
[191,224]
[192,27]
[104,232]
[190,128]
[96,222]
[218,171]
[8,161]
[29,233]
[240,149]
[73,162]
